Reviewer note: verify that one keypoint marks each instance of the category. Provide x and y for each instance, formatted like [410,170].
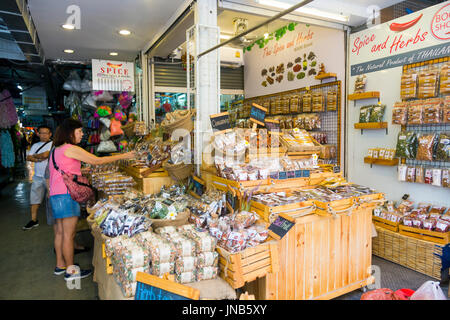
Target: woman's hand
[129,155]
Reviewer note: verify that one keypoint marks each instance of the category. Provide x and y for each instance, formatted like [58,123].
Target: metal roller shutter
[173,75]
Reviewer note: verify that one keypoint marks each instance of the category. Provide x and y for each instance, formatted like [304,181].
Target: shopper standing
[68,158]
[39,153]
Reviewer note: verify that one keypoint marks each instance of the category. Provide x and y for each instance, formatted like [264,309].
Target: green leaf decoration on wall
[278,34]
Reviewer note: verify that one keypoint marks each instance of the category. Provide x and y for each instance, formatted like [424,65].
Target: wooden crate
[320,258]
[143,172]
[346,206]
[422,234]
[221,183]
[248,265]
[412,253]
[386,224]
[268,214]
[153,184]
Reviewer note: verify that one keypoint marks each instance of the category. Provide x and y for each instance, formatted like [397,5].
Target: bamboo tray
[427,235]
[248,265]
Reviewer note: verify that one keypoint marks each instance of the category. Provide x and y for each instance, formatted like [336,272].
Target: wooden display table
[321,257]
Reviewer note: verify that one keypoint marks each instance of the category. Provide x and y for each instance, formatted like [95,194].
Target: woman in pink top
[68,158]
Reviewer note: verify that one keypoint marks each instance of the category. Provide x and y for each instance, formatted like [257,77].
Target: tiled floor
[27,259]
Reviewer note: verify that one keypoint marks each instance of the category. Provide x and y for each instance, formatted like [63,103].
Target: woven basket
[182,219]
[184,122]
[128,129]
[178,171]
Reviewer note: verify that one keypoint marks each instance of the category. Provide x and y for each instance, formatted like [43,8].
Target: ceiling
[100,23]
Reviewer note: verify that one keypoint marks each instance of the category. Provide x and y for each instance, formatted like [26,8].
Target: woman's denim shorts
[63,206]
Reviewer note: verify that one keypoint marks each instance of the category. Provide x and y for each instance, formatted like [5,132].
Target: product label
[189,263]
[164,253]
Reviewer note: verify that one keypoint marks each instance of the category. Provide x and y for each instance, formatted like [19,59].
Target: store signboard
[149,287]
[293,61]
[111,75]
[35,99]
[419,36]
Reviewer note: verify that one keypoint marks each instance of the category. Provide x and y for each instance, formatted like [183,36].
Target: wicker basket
[184,122]
[182,219]
[128,129]
[178,171]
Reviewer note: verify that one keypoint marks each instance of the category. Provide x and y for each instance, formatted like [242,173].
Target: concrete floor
[27,258]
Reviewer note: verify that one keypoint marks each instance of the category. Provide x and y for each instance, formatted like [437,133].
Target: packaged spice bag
[428,83]
[364,114]
[208,259]
[415,113]
[428,176]
[406,145]
[207,273]
[443,147]
[445,79]
[446,178]
[446,112]
[432,111]
[186,277]
[317,102]
[420,175]
[185,264]
[294,106]
[442,226]
[411,174]
[437,177]
[400,113]
[426,146]
[307,102]
[377,113]
[331,101]
[402,171]
[408,85]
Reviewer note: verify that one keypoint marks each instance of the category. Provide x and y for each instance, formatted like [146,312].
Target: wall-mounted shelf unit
[372,126]
[381,162]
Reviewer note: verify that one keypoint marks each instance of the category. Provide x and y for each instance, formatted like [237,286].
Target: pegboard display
[419,119]
[322,101]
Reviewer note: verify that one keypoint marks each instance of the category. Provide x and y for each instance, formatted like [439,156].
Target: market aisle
[27,258]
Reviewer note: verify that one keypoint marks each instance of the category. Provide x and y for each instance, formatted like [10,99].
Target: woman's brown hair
[65,133]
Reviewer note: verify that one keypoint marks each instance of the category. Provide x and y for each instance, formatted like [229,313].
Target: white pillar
[208,72]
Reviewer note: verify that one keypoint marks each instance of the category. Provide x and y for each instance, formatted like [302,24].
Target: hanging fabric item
[103,96]
[86,84]
[7,110]
[119,115]
[125,99]
[116,128]
[7,150]
[73,82]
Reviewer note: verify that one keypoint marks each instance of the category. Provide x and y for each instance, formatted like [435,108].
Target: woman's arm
[80,154]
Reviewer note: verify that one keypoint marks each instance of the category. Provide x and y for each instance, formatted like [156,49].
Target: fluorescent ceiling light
[308,11]
[113,53]
[19,87]
[68,26]
[68,51]
[125,32]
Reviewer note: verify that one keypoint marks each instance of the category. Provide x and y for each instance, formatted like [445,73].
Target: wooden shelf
[381,162]
[371,126]
[326,76]
[364,95]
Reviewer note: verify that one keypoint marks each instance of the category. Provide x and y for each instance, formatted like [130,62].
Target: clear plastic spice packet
[437,177]
[402,170]
[420,175]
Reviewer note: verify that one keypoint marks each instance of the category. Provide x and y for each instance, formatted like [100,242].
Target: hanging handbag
[78,186]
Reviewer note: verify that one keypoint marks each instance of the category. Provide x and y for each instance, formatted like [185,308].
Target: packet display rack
[427,128]
[330,120]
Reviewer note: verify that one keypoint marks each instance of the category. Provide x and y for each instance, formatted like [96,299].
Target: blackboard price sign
[336,169]
[280,227]
[273,126]
[291,174]
[258,114]
[282,175]
[298,173]
[149,287]
[220,122]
